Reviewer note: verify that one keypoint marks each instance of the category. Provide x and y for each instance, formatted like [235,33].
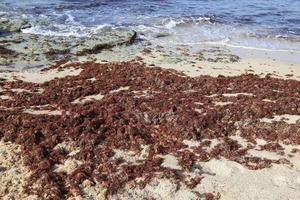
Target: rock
[234,58]
[6,51]
[6,55]
[15,25]
[104,42]
[22,50]
[163,34]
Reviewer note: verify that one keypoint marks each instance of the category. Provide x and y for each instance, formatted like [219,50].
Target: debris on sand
[164,119]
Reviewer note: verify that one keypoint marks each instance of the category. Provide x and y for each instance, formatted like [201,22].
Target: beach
[110,111]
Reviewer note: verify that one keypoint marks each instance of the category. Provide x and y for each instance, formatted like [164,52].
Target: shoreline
[116,117]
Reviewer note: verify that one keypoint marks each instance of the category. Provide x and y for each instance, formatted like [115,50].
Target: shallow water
[261,24]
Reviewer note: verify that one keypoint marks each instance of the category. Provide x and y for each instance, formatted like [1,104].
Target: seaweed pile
[142,109]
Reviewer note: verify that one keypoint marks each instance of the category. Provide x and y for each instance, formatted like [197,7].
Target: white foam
[63,31]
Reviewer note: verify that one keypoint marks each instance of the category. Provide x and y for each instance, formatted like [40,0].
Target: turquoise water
[258,23]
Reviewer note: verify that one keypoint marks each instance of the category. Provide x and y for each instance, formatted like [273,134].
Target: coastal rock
[104,42]
[5,51]
[28,50]
[15,25]
[6,55]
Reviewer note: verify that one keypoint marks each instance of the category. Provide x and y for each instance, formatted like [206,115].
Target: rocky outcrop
[104,42]
[43,50]
[15,25]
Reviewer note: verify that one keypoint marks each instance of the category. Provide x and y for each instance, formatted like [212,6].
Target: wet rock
[162,34]
[15,25]
[6,55]
[104,42]
[234,58]
[32,50]
[6,52]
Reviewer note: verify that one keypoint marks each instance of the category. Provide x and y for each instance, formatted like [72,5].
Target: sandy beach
[123,130]
[117,116]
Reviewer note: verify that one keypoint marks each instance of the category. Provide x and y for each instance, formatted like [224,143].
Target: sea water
[257,24]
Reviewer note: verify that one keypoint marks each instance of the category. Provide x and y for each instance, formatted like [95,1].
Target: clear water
[265,24]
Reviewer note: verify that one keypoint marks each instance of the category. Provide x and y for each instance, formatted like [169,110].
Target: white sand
[268,100]
[19,90]
[159,189]
[236,94]
[191,143]
[91,191]
[170,161]
[69,166]
[85,99]
[43,112]
[290,119]
[260,63]
[243,142]
[5,97]
[130,156]
[97,97]
[39,76]
[233,181]
[198,110]
[120,89]
[220,103]
[265,154]
[213,143]
[13,173]
[228,179]
[144,94]
[92,79]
